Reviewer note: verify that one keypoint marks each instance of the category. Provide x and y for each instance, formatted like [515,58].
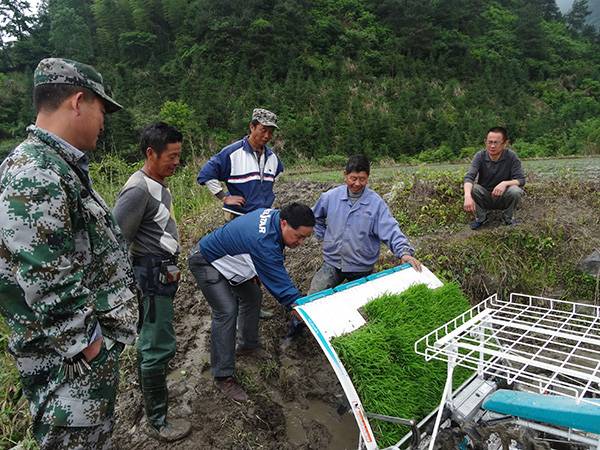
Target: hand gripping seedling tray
[537,344]
[334,312]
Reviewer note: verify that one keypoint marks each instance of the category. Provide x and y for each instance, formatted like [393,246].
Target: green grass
[14,408]
[390,170]
[427,201]
[189,199]
[535,258]
[389,376]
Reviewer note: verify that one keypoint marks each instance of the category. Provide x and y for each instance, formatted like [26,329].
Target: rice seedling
[389,376]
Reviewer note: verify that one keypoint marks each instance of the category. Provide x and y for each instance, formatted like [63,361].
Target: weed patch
[426,201]
[538,259]
[14,411]
[389,376]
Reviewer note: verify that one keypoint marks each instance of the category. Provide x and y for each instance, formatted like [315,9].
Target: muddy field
[294,395]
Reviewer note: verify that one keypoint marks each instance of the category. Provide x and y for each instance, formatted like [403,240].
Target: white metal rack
[543,345]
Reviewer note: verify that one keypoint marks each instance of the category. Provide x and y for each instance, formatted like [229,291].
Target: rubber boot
[156,402]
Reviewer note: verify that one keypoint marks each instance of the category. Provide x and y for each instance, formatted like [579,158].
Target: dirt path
[293,395]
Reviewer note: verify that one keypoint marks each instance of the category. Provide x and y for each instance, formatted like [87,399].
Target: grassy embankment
[560,225]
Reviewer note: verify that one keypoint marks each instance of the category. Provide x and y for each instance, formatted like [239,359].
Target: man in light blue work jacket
[352,221]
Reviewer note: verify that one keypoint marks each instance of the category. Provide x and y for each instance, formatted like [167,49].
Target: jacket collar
[364,198]
[250,150]
[68,152]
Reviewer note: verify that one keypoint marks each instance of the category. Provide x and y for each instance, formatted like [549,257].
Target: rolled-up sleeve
[214,186]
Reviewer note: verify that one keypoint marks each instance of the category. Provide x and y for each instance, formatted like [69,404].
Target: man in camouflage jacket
[67,289]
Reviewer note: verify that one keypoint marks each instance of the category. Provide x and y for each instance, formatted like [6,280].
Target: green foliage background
[390,78]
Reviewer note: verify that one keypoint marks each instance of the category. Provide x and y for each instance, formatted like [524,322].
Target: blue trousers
[232,307]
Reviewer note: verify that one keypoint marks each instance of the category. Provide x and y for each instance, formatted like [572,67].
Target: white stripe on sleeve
[214,186]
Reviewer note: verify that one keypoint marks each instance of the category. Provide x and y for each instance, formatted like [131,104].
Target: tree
[576,18]
[412,21]
[137,46]
[69,34]
[14,21]
[393,77]
[532,39]
[548,9]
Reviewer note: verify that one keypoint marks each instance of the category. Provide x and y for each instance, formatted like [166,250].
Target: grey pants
[484,201]
[232,306]
[328,276]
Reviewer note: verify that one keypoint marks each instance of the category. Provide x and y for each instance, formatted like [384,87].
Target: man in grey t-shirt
[144,213]
[494,180]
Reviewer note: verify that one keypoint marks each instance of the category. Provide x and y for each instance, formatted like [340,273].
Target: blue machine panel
[550,409]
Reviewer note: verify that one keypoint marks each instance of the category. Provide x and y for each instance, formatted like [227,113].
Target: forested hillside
[391,78]
[593,6]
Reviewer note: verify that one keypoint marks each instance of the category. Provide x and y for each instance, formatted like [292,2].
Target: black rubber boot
[156,401]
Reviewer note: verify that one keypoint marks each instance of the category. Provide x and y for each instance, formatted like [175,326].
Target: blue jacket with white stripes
[240,169]
[248,246]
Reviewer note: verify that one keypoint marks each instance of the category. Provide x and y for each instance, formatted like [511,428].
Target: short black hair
[358,163]
[157,136]
[297,215]
[501,130]
[50,96]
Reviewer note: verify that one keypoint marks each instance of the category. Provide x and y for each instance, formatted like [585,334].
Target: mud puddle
[300,418]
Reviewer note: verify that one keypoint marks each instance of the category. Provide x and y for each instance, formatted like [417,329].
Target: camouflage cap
[66,71]
[265,117]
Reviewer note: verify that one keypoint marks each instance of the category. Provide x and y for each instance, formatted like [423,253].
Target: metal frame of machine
[547,350]
[534,345]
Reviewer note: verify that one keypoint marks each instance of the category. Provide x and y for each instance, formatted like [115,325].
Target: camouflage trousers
[80,438]
[78,413]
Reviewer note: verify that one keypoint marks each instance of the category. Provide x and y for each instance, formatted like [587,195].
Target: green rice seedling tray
[390,378]
[373,338]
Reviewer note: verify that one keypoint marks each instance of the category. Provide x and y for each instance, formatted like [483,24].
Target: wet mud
[294,395]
